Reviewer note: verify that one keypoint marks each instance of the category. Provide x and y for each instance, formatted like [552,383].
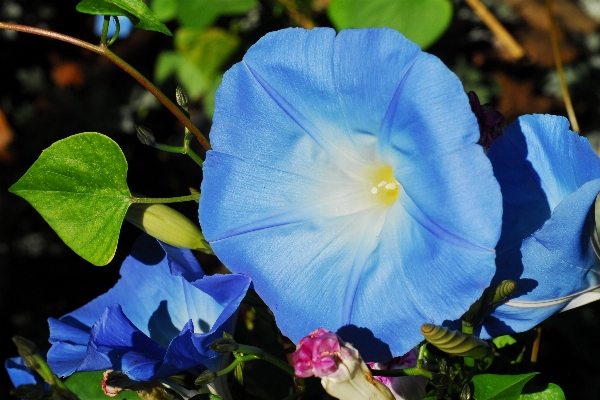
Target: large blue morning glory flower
[158,320]
[549,177]
[345,180]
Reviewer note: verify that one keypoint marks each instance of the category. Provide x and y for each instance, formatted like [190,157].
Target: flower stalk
[103,50]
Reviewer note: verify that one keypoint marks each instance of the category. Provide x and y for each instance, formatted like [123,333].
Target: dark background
[50,90]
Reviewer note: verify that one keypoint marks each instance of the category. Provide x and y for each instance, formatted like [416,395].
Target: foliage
[79,186]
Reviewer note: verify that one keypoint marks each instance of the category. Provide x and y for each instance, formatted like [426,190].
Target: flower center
[385,187]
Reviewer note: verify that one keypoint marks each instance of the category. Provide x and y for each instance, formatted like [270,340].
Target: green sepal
[422,21]
[136,10]
[552,392]
[88,386]
[500,387]
[79,186]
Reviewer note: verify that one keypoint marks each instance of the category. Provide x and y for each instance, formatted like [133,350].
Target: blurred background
[50,90]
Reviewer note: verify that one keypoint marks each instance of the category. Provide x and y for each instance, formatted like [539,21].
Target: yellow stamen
[385,186]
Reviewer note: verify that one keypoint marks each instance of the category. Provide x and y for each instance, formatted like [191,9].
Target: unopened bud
[224,345]
[182,98]
[343,372]
[205,378]
[145,135]
[455,342]
[167,225]
[27,350]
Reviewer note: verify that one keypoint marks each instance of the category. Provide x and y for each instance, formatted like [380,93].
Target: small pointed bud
[343,373]
[205,378]
[167,225]
[402,387]
[195,191]
[224,345]
[182,98]
[145,135]
[502,290]
[27,350]
[454,342]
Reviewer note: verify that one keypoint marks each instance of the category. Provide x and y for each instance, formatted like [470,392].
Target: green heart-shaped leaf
[552,392]
[500,387]
[136,10]
[422,21]
[79,186]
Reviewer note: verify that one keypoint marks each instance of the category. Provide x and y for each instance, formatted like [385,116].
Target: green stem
[161,200]
[235,363]
[185,149]
[104,34]
[263,355]
[104,51]
[402,372]
[117,31]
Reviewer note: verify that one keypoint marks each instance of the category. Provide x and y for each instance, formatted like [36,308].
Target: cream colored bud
[353,380]
[167,225]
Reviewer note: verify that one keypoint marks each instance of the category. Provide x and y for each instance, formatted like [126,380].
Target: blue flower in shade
[20,374]
[345,180]
[549,177]
[158,320]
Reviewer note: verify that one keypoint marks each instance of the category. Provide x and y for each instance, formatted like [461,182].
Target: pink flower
[342,371]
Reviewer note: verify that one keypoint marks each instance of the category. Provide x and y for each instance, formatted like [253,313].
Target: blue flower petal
[301,127]
[549,178]
[20,374]
[146,324]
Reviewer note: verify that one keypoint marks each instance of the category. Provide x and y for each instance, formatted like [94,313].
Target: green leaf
[88,386]
[422,21]
[79,186]
[202,13]
[503,341]
[500,387]
[165,9]
[136,10]
[552,392]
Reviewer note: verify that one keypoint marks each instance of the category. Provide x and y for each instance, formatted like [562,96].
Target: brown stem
[559,69]
[104,51]
[296,15]
[514,49]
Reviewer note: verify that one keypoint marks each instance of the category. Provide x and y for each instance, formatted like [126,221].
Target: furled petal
[549,178]
[159,319]
[304,129]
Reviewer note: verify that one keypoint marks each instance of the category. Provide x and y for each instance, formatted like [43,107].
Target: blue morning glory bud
[549,177]
[157,321]
[167,225]
[345,167]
